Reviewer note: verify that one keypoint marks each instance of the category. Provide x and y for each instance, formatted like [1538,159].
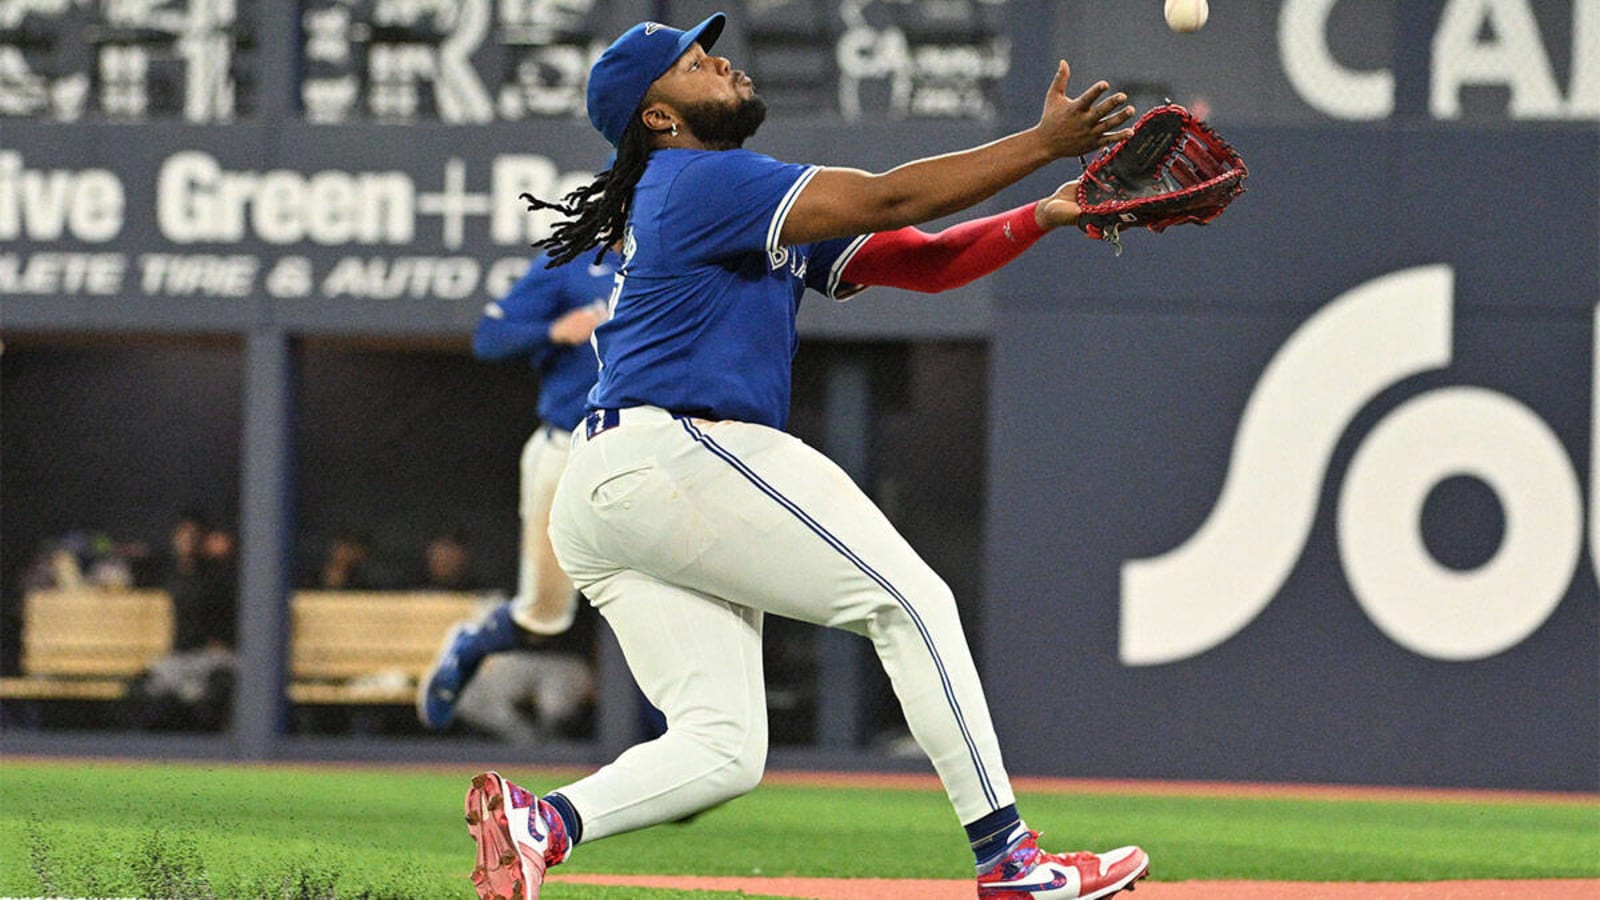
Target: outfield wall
[1303,495]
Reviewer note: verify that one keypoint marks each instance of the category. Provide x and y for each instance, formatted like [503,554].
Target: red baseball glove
[1172,169]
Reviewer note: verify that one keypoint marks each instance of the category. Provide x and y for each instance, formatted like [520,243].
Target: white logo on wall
[1494,43]
[198,199]
[1192,598]
[953,79]
[123,66]
[437,68]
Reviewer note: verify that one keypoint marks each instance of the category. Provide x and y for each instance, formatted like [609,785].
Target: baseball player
[686,513]
[546,318]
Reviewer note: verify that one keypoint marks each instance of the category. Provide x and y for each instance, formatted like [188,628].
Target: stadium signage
[270,230]
[1475,43]
[1193,598]
[48,204]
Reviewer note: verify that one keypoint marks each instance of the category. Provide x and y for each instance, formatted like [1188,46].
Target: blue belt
[602,420]
[599,420]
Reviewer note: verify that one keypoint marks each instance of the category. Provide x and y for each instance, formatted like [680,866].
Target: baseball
[1186,15]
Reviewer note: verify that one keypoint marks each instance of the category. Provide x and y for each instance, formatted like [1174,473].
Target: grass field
[215,830]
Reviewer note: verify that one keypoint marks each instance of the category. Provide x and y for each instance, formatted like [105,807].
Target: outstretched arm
[528,319]
[499,338]
[840,202]
[915,260]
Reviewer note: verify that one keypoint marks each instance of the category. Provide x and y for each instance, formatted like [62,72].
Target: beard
[724,126]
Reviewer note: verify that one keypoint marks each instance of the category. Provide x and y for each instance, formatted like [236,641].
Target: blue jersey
[518,327]
[703,319]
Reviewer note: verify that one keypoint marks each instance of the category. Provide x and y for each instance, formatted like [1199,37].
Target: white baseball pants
[683,532]
[545,601]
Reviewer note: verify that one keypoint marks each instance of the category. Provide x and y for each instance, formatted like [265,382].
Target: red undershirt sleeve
[915,260]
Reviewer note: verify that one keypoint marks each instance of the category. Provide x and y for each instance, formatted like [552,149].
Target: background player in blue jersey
[546,320]
[686,513]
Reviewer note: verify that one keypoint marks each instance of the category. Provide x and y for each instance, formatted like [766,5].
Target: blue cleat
[464,650]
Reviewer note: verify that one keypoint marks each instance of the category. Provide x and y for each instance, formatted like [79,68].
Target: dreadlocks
[597,212]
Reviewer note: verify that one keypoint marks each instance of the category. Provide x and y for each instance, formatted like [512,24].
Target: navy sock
[569,816]
[991,835]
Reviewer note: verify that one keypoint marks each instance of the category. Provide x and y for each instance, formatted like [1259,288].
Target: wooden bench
[345,647]
[88,644]
[368,647]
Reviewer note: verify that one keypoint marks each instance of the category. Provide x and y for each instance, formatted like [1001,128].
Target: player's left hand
[1073,126]
[1058,209]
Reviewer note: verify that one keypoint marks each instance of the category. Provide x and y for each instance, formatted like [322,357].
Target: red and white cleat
[1028,873]
[518,837]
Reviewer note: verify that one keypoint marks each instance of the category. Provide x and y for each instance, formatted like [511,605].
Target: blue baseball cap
[623,74]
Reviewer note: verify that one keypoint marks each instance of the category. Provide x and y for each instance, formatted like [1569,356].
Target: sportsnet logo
[1375,336]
